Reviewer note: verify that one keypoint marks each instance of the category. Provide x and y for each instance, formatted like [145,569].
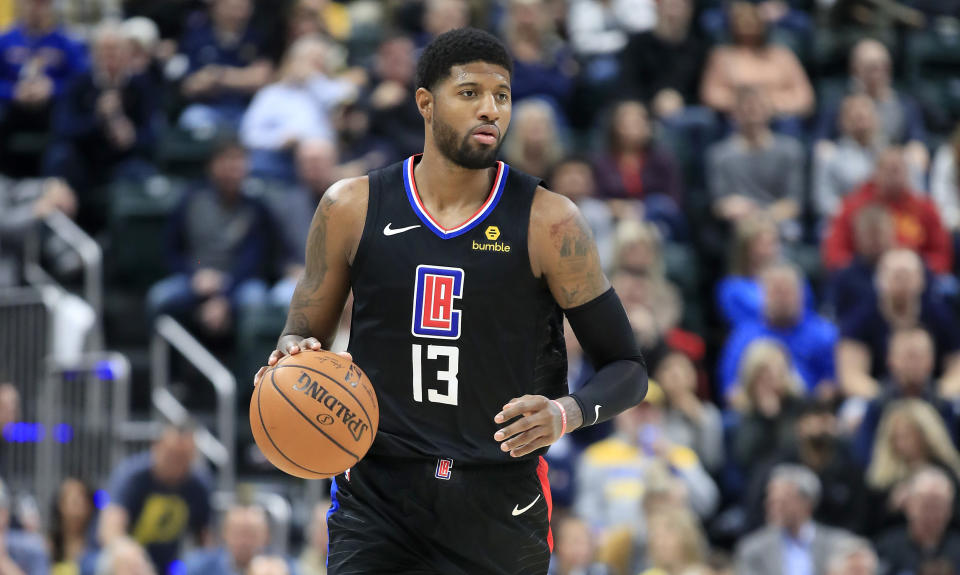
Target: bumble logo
[492,233]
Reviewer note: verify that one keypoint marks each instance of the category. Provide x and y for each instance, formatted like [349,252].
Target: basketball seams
[307,419]
[266,433]
[345,388]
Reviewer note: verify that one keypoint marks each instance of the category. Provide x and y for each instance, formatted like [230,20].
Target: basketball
[314,414]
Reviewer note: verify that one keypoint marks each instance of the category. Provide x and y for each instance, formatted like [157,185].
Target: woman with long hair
[634,167]
[911,436]
[534,144]
[768,398]
[675,544]
[71,513]
[756,244]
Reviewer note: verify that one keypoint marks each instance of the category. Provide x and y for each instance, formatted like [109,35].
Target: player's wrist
[573,412]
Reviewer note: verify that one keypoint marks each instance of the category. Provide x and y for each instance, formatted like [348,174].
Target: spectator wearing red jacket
[916,222]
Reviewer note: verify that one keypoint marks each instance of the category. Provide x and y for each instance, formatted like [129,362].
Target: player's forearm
[604,332]
[616,387]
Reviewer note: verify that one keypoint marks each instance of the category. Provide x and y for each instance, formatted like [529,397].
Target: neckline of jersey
[410,184]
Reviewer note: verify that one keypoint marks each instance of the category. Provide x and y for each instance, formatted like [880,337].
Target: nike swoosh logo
[524,510]
[387,231]
[596,413]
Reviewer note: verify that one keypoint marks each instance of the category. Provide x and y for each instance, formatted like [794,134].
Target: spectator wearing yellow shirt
[618,474]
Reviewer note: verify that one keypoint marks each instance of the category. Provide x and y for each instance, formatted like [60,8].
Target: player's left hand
[539,426]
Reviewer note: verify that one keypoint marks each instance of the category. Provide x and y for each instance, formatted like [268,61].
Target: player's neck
[445,187]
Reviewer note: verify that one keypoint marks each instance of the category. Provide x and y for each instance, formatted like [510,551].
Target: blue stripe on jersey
[489,205]
[334,506]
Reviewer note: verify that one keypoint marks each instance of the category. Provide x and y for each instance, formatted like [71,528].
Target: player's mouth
[488,134]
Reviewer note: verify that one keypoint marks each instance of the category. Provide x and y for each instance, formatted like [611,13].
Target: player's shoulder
[550,209]
[348,191]
[347,199]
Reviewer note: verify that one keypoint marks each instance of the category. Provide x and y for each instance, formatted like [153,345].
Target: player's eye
[468,93]
[504,97]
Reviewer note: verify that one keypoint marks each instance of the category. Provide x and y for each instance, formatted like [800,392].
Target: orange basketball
[314,414]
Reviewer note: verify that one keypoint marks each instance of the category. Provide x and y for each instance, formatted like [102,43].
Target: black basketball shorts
[435,517]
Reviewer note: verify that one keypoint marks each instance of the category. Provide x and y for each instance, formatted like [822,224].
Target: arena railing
[91,256]
[26,340]
[82,418]
[219,449]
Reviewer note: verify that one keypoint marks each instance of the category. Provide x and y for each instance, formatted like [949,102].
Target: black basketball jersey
[450,324]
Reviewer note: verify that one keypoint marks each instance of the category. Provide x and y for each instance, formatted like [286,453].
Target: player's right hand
[292,345]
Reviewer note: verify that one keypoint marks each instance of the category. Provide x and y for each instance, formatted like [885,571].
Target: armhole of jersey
[531,183]
[373,205]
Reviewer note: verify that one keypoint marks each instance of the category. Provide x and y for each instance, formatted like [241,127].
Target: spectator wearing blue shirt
[910,376]
[874,235]
[543,64]
[216,248]
[246,533]
[901,302]
[808,337]
[228,63]
[21,552]
[37,60]
[105,124]
[756,245]
[159,498]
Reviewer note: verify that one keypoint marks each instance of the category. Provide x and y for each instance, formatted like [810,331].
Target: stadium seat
[932,60]
[137,219]
[257,332]
[183,155]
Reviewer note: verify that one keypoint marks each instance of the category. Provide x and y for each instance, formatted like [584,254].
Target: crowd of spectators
[772,184]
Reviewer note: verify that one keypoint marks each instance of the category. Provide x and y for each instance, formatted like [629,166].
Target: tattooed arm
[320,294]
[562,251]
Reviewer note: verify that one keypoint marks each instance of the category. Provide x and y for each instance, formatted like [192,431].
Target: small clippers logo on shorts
[443,468]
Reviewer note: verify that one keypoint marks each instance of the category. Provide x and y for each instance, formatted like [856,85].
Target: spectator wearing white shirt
[944,186]
[601,27]
[295,109]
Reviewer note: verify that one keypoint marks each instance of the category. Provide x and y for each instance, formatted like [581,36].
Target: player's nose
[488,110]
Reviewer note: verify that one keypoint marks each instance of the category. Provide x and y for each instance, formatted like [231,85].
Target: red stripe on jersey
[542,469]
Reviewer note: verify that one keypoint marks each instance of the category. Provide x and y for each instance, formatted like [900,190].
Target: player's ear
[424,100]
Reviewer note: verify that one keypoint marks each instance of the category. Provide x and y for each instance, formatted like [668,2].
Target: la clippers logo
[443,468]
[436,292]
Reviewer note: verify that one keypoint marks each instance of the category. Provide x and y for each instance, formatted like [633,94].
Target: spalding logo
[336,409]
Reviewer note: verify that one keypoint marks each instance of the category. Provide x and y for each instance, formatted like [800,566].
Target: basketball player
[462,270]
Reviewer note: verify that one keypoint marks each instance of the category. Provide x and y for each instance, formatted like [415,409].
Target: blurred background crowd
[773,186]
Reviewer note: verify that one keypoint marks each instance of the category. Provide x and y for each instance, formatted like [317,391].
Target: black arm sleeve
[604,333]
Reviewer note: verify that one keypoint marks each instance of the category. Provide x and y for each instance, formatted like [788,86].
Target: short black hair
[457,47]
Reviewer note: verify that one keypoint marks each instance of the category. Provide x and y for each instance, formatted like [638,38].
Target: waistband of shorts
[506,468]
